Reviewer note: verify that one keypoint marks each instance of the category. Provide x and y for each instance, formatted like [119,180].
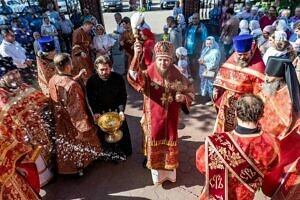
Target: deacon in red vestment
[25,116]
[77,144]
[241,73]
[18,174]
[44,61]
[235,162]
[82,49]
[281,119]
[165,91]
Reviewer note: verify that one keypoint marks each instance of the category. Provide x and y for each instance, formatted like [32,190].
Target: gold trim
[244,69]
[13,100]
[227,165]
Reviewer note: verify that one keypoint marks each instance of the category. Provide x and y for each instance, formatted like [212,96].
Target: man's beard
[104,78]
[269,89]
[163,72]
[242,63]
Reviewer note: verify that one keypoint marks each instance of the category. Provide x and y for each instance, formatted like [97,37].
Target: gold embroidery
[236,159]
[215,162]
[155,85]
[247,174]
[216,182]
[166,98]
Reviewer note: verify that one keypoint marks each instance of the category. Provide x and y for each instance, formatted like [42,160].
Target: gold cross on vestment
[166,98]
[219,138]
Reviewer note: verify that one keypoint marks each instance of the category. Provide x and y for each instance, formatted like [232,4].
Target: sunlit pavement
[129,180]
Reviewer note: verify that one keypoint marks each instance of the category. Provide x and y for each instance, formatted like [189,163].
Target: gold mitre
[164,48]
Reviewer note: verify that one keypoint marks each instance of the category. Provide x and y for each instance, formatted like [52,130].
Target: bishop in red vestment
[241,73]
[165,91]
[235,162]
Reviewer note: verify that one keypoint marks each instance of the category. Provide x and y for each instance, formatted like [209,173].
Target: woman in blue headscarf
[209,64]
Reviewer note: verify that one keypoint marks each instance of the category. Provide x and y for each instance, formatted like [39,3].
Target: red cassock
[72,119]
[259,149]
[81,43]
[233,81]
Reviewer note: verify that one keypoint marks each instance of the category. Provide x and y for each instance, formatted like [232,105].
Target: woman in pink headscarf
[148,45]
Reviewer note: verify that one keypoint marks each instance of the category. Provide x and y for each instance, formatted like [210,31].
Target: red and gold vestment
[161,114]
[14,158]
[235,164]
[231,82]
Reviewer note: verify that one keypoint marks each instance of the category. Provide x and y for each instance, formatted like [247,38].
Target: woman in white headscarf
[267,32]
[48,29]
[209,64]
[181,23]
[281,25]
[280,47]
[102,42]
[256,31]
[244,27]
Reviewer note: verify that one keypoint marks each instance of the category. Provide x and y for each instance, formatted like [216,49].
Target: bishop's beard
[269,89]
[163,72]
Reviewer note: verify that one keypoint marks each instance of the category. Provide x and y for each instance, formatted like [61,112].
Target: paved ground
[129,180]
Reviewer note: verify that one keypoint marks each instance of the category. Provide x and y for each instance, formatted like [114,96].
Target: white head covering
[253,25]
[181,51]
[280,36]
[244,24]
[262,10]
[254,8]
[281,25]
[181,19]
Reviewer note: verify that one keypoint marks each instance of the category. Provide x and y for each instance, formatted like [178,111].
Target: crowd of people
[49,124]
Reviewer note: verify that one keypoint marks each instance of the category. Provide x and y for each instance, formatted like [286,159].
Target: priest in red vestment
[18,175]
[235,162]
[165,91]
[281,119]
[77,143]
[44,62]
[25,116]
[242,73]
[82,49]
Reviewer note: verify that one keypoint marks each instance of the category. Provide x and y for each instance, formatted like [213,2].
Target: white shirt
[15,51]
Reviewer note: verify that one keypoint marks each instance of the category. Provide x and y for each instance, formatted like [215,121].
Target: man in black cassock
[106,91]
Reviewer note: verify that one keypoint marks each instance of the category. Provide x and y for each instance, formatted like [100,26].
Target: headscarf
[253,25]
[180,19]
[244,24]
[283,68]
[270,29]
[280,36]
[281,25]
[213,46]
